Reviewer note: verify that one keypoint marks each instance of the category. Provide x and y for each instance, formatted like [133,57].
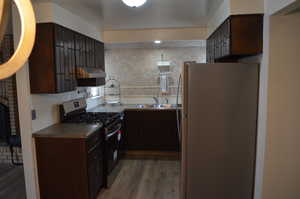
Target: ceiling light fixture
[134,3]
[157,42]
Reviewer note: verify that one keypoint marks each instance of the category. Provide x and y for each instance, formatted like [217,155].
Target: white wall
[282,160]
[274,6]
[46,107]
[219,16]
[246,7]
[262,113]
[261,180]
[233,7]
[51,12]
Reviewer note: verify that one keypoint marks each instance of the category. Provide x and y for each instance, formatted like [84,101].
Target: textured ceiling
[154,14]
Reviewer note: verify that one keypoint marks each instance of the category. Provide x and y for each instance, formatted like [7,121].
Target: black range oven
[75,112]
[113,138]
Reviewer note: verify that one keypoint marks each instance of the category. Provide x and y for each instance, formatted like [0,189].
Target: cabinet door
[59,35]
[59,56]
[94,172]
[151,130]
[69,48]
[208,51]
[226,38]
[160,131]
[216,47]
[80,51]
[212,50]
[65,59]
[99,55]
[101,167]
[133,126]
[218,43]
[90,48]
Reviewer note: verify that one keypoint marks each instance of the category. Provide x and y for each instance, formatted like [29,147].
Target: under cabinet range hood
[89,77]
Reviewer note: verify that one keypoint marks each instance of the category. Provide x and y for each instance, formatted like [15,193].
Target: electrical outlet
[33,114]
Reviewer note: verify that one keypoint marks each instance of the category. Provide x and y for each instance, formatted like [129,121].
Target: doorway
[12,183]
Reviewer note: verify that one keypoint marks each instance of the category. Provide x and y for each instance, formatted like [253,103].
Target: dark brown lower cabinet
[70,168]
[95,171]
[151,130]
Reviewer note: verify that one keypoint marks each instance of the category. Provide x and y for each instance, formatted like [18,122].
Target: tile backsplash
[138,73]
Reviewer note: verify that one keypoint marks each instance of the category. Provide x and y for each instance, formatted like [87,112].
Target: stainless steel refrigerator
[220,103]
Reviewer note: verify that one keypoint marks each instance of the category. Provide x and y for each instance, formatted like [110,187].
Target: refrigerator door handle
[185,116]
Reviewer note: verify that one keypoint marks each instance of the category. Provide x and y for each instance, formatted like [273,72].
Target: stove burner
[105,118]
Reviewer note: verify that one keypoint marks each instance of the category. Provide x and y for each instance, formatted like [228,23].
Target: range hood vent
[90,77]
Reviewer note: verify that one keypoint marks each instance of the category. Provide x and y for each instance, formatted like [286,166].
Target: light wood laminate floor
[12,183]
[145,179]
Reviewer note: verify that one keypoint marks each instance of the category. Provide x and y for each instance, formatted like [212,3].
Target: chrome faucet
[156,100]
[167,100]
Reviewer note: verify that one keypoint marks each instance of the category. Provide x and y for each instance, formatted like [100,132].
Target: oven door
[112,147]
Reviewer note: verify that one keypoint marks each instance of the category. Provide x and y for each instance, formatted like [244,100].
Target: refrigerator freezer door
[219,134]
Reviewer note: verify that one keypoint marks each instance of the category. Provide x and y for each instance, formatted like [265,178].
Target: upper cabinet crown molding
[57,55]
[238,36]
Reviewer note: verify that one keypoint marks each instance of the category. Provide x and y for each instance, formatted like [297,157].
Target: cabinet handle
[113,133]
[93,148]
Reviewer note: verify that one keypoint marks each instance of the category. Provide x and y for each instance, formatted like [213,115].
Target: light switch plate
[33,114]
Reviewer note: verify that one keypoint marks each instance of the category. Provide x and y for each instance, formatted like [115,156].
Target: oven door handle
[93,148]
[115,132]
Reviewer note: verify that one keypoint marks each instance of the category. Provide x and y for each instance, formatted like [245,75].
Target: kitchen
[114,95]
[141,129]
[135,121]
[103,111]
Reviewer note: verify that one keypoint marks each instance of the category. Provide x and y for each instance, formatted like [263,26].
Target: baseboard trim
[152,155]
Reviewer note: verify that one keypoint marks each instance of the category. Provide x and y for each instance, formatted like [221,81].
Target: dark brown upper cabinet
[91,53]
[99,59]
[239,36]
[52,62]
[57,55]
[80,50]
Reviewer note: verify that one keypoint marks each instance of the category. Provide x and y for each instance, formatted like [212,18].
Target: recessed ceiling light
[134,3]
[157,41]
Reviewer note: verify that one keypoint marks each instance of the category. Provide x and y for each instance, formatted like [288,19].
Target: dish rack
[112,92]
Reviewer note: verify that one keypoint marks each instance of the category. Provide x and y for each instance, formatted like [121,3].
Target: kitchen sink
[143,106]
[156,106]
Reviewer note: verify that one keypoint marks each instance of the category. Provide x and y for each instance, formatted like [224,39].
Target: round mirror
[28,30]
